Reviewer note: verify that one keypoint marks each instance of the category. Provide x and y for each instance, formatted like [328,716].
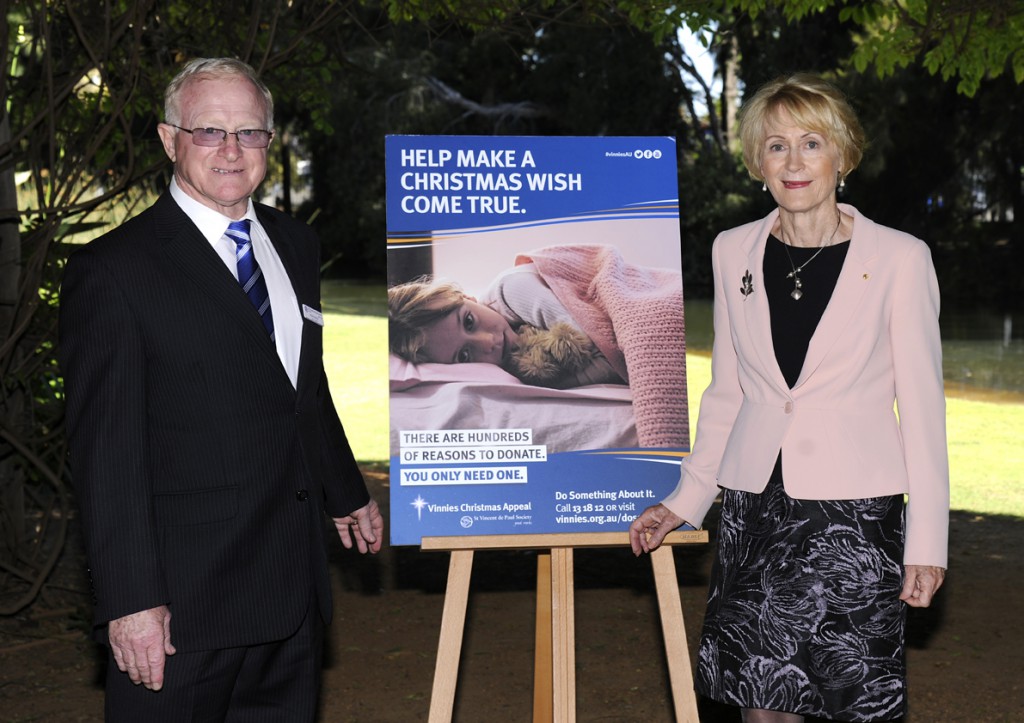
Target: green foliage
[965,41]
[773,45]
[559,72]
[935,81]
[82,94]
[708,207]
[472,14]
[946,168]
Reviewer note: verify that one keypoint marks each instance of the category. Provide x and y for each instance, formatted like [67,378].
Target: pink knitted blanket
[634,315]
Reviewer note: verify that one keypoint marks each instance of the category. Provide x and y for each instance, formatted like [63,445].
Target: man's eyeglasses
[212,137]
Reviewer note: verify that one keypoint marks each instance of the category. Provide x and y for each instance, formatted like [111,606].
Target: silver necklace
[797,292]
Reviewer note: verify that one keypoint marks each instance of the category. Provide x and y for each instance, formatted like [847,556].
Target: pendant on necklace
[797,293]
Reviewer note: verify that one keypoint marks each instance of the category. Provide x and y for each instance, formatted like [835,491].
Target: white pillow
[405,375]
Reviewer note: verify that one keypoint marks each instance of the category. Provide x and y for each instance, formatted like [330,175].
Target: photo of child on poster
[536,333]
[564,317]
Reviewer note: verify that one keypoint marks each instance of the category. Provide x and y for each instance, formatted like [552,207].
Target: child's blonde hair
[414,305]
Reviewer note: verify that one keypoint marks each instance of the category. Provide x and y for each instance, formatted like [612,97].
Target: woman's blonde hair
[813,103]
[414,305]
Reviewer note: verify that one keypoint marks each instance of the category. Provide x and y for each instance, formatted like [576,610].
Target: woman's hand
[656,521]
[920,584]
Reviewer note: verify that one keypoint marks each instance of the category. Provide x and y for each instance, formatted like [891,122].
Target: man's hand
[140,642]
[365,525]
[920,584]
[656,521]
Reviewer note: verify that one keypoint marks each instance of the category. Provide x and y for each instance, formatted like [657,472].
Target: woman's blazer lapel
[847,296]
[756,313]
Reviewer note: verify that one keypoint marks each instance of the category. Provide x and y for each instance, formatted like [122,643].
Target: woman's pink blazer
[877,343]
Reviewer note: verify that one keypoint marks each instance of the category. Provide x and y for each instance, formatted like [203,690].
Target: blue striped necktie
[249,274]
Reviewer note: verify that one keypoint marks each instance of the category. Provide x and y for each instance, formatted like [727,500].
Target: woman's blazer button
[788,408]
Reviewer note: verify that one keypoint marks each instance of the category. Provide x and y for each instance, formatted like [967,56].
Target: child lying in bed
[518,324]
[632,315]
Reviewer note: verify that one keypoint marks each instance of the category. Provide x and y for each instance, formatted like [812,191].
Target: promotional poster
[536,333]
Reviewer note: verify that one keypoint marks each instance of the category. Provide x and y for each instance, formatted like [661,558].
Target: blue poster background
[467,201]
[617,173]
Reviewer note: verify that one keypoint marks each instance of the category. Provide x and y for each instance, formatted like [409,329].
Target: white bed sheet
[597,416]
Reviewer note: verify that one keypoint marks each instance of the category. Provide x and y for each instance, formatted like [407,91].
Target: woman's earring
[842,183]
[764,185]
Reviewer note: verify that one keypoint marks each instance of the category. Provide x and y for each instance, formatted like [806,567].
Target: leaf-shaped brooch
[748,285]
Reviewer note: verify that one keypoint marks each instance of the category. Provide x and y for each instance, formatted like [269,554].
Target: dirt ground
[966,654]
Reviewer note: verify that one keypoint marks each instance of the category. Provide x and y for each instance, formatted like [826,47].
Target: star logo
[419,503]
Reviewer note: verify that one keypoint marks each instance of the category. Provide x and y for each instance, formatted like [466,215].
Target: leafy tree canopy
[968,41]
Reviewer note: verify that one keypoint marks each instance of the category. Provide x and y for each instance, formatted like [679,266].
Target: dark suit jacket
[202,475]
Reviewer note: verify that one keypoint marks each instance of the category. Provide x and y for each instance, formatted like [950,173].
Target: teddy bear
[551,357]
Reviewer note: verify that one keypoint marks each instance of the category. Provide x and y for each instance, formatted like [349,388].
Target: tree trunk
[730,91]
[286,175]
[12,493]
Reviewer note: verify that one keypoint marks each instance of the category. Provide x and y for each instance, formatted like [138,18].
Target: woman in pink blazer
[824,321]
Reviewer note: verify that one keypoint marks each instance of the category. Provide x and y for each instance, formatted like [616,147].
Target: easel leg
[542,675]
[563,636]
[674,631]
[449,647]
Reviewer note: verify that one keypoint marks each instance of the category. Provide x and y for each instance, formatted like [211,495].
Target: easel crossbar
[552,541]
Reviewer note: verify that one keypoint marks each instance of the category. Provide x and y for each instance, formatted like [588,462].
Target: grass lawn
[986,456]
[355,357]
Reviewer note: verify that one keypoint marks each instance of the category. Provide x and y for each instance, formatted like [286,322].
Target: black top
[794,321]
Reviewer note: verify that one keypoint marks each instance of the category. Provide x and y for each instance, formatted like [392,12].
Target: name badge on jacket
[313,315]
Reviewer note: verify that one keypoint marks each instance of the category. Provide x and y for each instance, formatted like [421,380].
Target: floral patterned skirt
[803,610]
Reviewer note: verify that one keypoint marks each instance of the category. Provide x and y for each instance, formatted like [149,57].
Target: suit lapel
[184,246]
[756,313]
[286,252]
[306,294]
[847,296]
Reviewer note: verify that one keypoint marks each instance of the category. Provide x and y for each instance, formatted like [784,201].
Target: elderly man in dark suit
[205,446]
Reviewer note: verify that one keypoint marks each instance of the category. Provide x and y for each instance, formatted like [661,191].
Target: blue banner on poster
[537,366]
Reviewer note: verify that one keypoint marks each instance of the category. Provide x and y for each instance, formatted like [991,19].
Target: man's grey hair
[200,68]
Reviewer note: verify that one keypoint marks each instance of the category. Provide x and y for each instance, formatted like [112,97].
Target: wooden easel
[554,697]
